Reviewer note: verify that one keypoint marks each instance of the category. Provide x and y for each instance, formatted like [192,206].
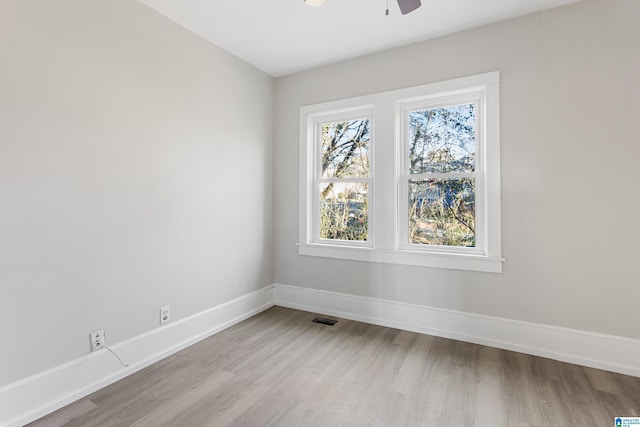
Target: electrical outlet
[165,314]
[97,339]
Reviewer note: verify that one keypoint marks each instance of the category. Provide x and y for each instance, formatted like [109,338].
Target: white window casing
[388,177]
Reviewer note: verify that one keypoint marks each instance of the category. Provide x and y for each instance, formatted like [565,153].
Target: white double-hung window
[410,176]
[342,183]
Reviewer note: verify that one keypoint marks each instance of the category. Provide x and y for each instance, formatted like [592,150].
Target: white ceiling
[285,36]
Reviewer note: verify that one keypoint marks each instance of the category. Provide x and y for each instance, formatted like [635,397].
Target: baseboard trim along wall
[601,351]
[31,398]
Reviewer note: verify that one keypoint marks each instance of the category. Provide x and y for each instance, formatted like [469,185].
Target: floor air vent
[325,321]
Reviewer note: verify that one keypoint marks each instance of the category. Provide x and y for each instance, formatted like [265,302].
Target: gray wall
[136,168]
[570,173]
[135,171]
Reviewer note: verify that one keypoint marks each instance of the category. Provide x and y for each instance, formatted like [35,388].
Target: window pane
[345,149]
[442,139]
[442,212]
[344,211]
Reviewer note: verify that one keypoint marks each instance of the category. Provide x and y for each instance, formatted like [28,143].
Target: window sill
[404,257]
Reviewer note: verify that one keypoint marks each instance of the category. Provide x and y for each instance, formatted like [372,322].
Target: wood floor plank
[280,369]
[222,407]
[185,401]
[67,414]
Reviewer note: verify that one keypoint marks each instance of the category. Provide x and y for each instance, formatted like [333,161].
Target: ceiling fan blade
[407,6]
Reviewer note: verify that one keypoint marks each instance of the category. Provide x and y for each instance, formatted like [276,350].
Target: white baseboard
[31,398]
[608,352]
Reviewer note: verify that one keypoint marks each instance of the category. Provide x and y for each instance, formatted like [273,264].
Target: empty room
[319,213]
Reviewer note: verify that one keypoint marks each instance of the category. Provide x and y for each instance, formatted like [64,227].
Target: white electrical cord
[116,355]
[113,352]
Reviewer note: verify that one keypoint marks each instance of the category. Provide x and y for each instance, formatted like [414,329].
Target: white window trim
[385,240]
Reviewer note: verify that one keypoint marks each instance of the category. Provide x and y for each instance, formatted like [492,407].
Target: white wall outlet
[97,339]
[165,314]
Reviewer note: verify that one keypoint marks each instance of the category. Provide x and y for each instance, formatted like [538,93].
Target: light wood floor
[280,369]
